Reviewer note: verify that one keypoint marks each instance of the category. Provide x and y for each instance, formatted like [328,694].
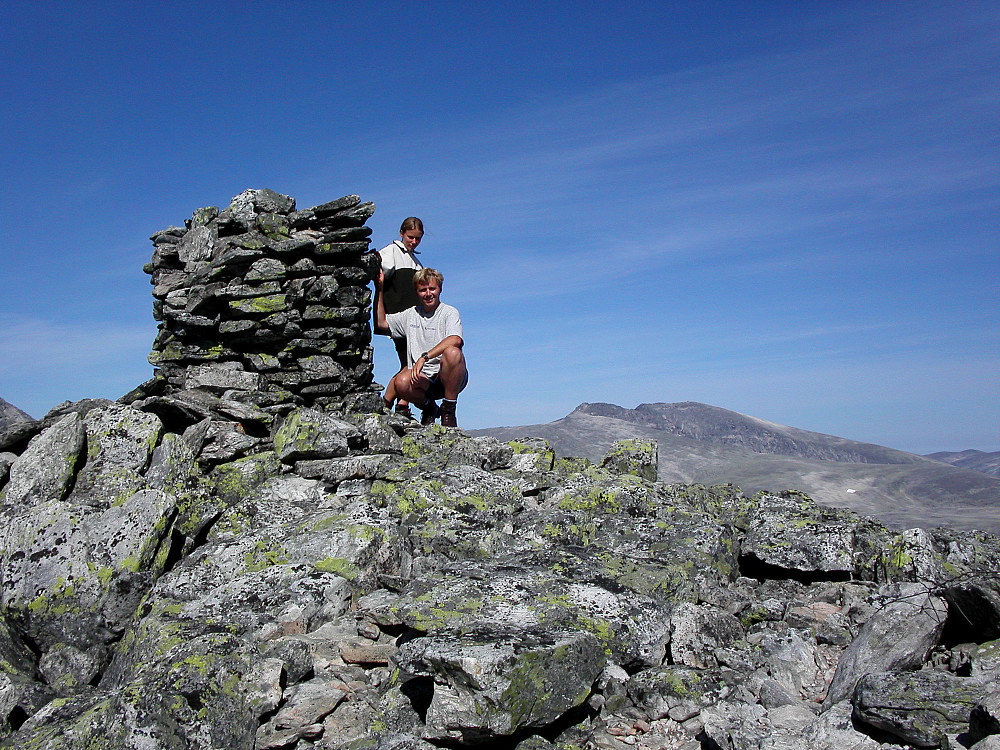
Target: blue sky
[787,209]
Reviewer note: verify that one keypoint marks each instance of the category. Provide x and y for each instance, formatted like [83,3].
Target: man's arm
[379,308]
[435,351]
[443,344]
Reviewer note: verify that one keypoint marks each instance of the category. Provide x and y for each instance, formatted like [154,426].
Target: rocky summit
[213,568]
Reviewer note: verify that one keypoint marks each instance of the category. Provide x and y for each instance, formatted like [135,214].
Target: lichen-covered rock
[985,717]
[380,436]
[531,454]
[172,465]
[305,572]
[558,591]
[310,434]
[299,579]
[791,532]
[461,512]
[984,661]
[493,682]
[697,630]
[921,707]
[795,663]
[221,378]
[227,441]
[991,742]
[734,725]
[45,470]
[235,482]
[298,572]
[940,556]
[677,692]
[302,713]
[76,577]
[337,471]
[161,707]
[899,635]
[21,694]
[264,304]
[835,730]
[637,457]
[120,442]
[631,548]
[487,453]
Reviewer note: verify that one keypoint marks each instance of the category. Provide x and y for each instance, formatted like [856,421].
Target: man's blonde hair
[424,275]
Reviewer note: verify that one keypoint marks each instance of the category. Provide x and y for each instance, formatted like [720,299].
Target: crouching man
[433,333]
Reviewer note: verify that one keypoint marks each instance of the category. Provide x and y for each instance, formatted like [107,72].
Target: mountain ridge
[986,462]
[704,444]
[725,427]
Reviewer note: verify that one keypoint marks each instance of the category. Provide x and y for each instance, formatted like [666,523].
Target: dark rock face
[16,427]
[10,415]
[201,565]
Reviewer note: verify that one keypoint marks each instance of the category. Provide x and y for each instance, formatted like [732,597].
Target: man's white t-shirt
[423,332]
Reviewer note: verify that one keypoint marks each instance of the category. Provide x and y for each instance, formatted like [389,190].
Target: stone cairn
[262,304]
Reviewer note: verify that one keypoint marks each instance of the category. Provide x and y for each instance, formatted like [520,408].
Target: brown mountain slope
[988,463]
[702,443]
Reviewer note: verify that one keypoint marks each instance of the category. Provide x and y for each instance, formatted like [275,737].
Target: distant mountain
[715,426]
[710,445]
[10,415]
[988,463]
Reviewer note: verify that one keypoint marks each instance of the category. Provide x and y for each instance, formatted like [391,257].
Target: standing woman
[399,263]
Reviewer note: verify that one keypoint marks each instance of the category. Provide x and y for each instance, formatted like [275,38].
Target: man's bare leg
[453,376]
[453,372]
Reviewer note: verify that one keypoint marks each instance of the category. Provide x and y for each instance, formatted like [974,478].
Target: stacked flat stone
[266,304]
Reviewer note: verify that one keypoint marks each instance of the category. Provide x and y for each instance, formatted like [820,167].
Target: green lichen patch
[568,466]
[338,565]
[260,306]
[235,480]
[264,554]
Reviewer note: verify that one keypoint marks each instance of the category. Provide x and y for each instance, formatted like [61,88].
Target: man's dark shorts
[436,389]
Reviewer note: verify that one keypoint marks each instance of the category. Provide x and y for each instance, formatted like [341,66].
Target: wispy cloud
[757,155]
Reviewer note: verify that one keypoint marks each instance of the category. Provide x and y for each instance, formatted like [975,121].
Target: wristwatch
[425,357]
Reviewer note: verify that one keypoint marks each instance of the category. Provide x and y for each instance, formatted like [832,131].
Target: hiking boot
[428,413]
[448,414]
[403,410]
